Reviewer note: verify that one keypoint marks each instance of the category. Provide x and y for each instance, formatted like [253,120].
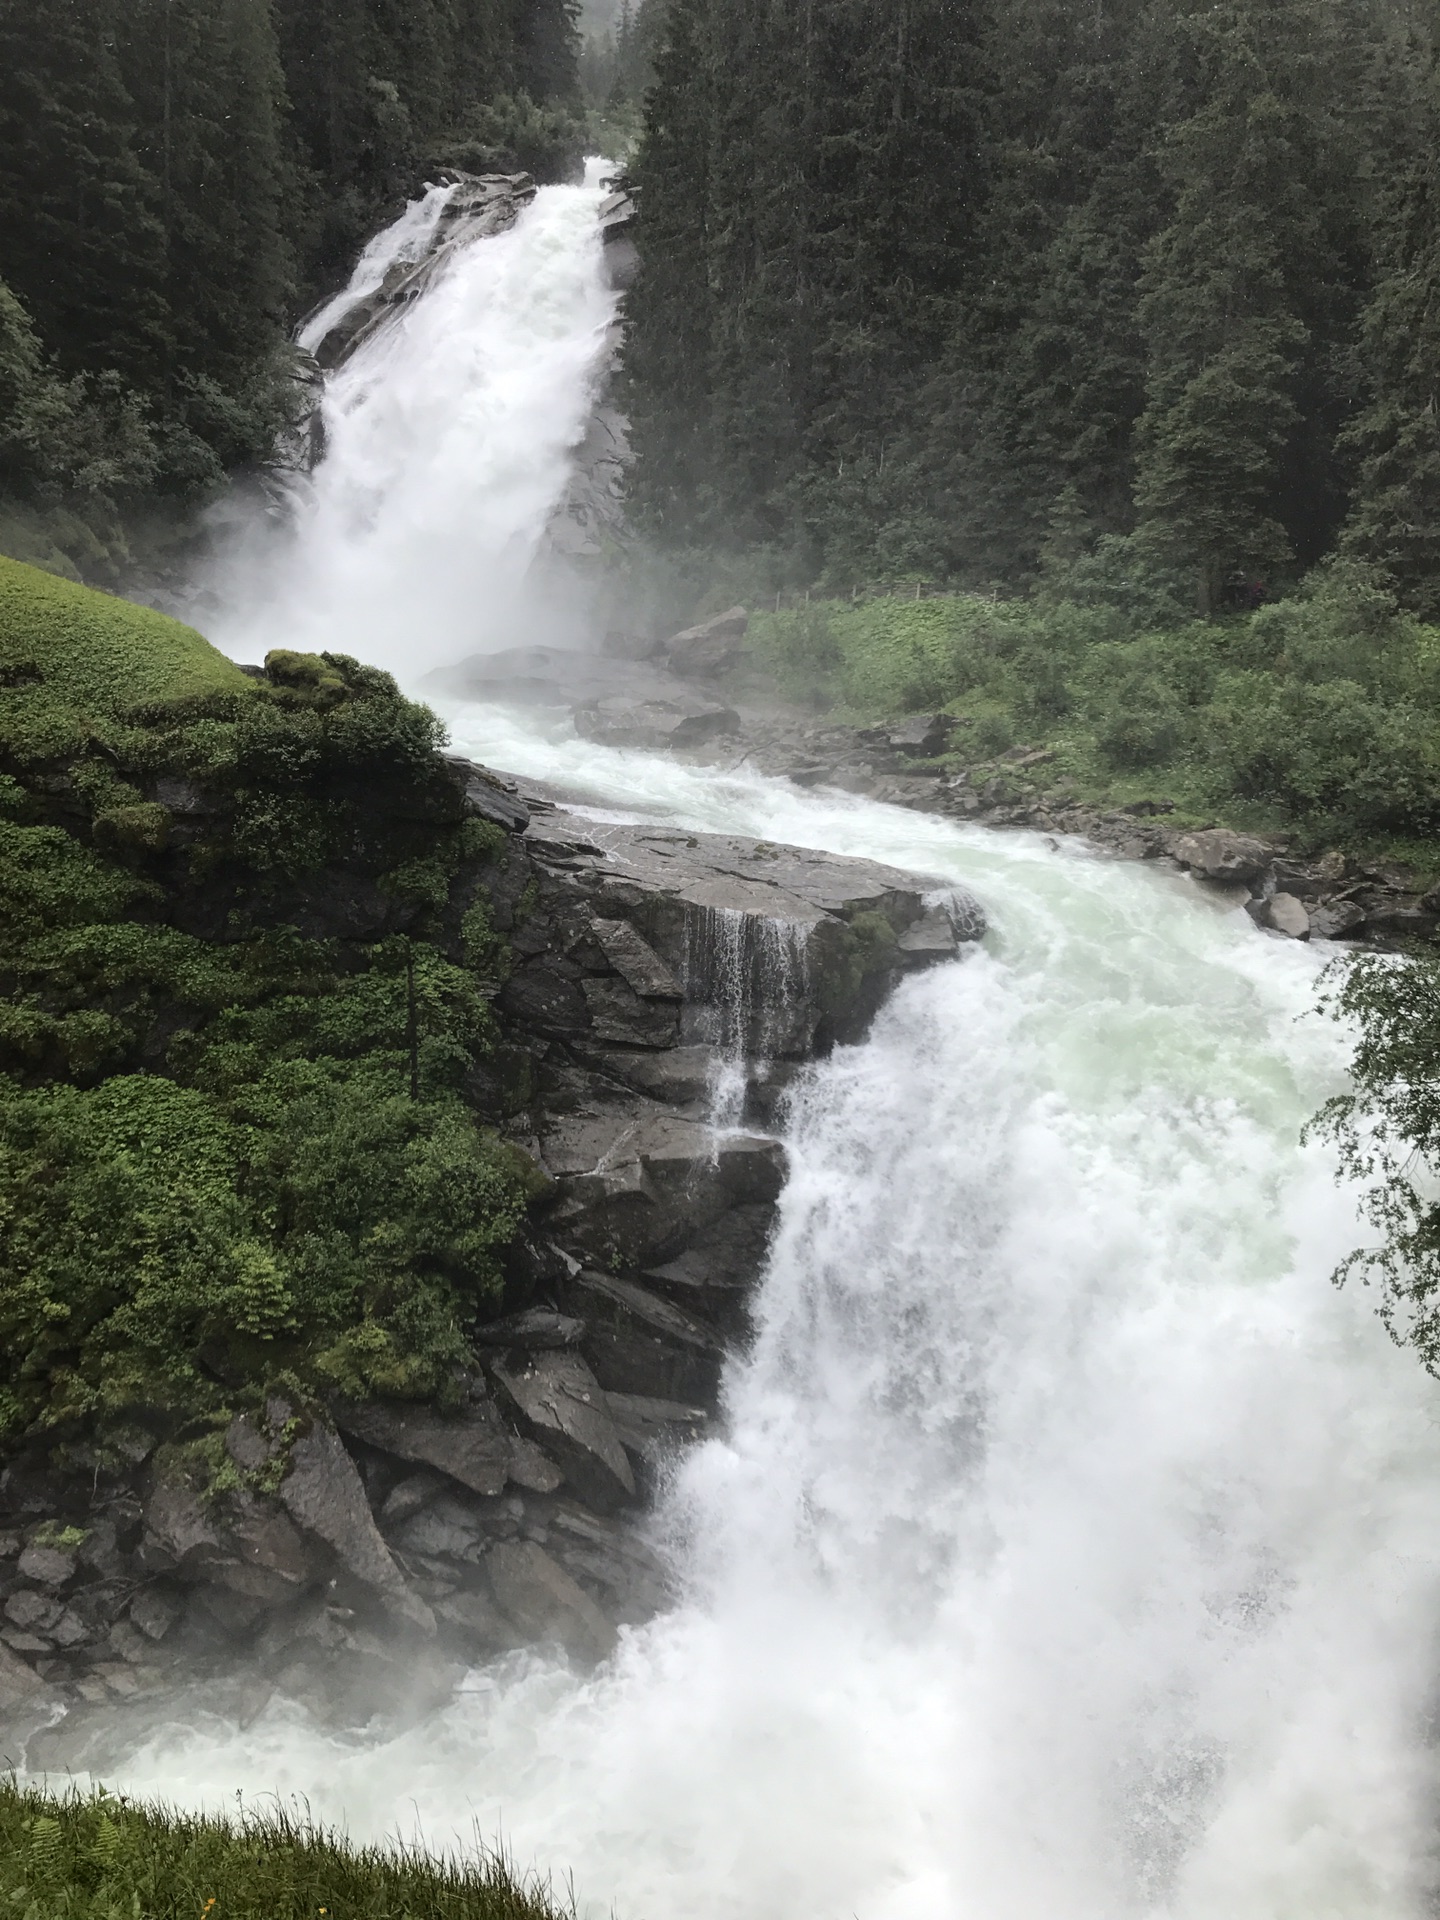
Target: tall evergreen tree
[1395,514]
[84,249]
[206,80]
[1233,290]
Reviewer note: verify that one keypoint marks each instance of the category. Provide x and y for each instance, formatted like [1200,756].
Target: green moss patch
[100,653]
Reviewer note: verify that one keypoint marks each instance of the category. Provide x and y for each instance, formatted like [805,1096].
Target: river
[1070,1549]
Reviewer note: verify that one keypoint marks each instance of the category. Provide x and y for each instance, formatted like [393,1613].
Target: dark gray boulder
[639,1343]
[543,1602]
[923,734]
[713,647]
[323,1494]
[471,1445]
[558,1399]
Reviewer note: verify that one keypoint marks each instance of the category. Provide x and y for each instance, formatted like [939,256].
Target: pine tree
[83,247]
[1232,291]
[1395,515]
[205,76]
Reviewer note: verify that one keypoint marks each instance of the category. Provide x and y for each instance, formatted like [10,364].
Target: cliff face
[334,1539]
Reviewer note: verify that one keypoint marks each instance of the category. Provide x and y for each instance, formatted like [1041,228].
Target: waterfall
[1071,1548]
[404,240]
[745,979]
[448,437]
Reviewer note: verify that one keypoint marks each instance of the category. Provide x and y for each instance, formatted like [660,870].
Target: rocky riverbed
[692,695]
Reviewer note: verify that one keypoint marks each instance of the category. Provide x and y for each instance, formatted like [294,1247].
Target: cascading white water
[1072,1550]
[404,240]
[448,437]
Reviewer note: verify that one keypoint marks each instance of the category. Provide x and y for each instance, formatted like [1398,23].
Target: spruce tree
[1237,292]
[83,246]
[205,76]
[1395,514]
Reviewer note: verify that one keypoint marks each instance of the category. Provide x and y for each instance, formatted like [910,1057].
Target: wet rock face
[481,204]
[350,1551]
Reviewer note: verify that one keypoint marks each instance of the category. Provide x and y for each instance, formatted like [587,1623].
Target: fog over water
[1071,1547]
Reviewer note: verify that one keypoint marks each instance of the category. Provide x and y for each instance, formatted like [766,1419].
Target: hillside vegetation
[94,653]
[243,986]
[1319,714]
[71,1854]
[960,291]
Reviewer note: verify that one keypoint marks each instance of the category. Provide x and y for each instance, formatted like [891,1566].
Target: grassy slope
[101,653]
[63,1857]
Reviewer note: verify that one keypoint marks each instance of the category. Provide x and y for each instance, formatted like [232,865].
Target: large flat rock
[775,950]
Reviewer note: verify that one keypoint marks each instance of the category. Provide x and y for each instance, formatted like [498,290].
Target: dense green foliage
[178,178]
[941,289]
[61,1856]
[1320,712]
[237,1007]
[1387,1129]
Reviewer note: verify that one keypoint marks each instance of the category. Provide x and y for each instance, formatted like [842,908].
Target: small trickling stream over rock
[951,1488]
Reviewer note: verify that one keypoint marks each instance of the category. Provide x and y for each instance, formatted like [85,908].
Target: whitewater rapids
[1071,1548]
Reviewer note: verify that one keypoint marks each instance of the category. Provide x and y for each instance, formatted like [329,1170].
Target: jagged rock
[21,1688]
[639,1343]
[635,960]
[657,725]
[591,513]
[155,1612]
[180,1534]
[710,649]
[617,1012]
[1394,920]
[720,1264]
[536,1329]
[558,1397]
[266,1559]
[439,1533]
[477,1619]
[924,734]
[323,1495]
[681,1077]
[32,1612]
[47,1567]
[758,934]
[544,1603]
[608,1554]
[532,1468]
[485,797]
[635,1188]
[470,1446]
[1217,854]
[930,938]
[1334,919]
[652,1430]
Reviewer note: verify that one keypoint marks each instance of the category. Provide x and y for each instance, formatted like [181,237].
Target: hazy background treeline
[969,290]
[179,179]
